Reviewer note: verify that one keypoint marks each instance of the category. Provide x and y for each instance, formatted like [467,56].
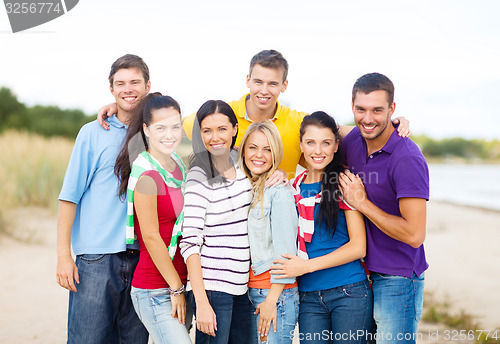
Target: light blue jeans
[154,308]
[287,309]
[397,307]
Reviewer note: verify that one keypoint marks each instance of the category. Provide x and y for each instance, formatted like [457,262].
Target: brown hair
[126,62]
[270,59]
[374,82]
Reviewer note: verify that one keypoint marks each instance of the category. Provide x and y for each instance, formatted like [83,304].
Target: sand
[462,248]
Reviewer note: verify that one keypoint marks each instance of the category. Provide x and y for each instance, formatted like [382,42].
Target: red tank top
[169,205]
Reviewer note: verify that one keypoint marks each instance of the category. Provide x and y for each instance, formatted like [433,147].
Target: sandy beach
[461,246]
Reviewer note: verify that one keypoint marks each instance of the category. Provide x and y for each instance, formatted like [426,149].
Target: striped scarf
[146,162]
[305,207]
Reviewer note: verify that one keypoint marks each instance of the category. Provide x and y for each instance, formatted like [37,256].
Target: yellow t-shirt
[287,121]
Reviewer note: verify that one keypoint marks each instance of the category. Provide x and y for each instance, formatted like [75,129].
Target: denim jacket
[273,232]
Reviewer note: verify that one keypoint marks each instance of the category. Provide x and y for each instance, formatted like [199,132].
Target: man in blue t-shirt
[388,182]
[91,220]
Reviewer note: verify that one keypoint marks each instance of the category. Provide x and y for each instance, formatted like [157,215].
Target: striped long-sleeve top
[215,227]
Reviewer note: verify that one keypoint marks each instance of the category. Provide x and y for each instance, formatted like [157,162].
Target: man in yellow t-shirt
[266,80]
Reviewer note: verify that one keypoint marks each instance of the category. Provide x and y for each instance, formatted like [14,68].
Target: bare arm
[403,129]
[408,228]
[277,178]
[105,112]
[67,272]
[354,249]
[344,130]
[145,202]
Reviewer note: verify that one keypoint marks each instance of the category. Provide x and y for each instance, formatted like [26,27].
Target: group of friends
[236,238]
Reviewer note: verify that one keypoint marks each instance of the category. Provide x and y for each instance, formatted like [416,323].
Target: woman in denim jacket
[272,231]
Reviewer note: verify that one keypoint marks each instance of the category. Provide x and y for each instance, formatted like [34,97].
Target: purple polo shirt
[398,170]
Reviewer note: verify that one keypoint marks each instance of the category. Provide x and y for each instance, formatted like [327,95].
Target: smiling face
[257,153]
[217,133]
[129,88]
[265,86]
[372,114]
[318,145]
[164,132]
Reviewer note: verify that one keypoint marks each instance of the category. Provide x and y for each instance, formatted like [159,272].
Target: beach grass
[32,169]
[439,312]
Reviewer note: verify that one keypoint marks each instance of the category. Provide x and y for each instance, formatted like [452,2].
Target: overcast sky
[443,56]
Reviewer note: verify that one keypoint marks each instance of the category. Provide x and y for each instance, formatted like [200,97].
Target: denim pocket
[136,303]
[358,290]
[258,219]
[93,258]
[286,296]
[160,304]
[159,296]
[302,296]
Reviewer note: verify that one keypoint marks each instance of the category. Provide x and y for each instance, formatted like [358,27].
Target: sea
[476,185]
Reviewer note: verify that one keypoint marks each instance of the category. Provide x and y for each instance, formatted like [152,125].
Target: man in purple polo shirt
[388,182]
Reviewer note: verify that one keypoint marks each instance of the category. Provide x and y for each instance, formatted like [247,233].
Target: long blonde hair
[274,139]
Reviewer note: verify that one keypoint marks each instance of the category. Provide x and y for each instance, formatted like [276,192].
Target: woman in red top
[155,201]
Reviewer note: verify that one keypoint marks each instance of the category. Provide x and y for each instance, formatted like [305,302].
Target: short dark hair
[270,59]
[374,82]
[129,61]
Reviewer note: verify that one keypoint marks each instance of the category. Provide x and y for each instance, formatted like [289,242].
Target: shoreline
[461,205]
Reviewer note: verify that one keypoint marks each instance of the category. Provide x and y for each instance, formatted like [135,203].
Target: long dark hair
[329,206]
[135,144]
[201,157]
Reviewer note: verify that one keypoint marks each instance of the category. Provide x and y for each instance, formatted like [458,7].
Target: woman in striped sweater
[214,233]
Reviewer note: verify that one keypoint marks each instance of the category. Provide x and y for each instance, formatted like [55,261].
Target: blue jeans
[233,319]
[154,308]
[337,315]
[287,309]
[101,310]
[397,307]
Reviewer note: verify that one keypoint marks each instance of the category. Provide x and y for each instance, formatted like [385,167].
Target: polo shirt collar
[115,122]
[393,141]
[276,114]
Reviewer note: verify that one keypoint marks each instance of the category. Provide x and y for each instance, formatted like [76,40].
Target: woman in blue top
[335,295]
[272,231]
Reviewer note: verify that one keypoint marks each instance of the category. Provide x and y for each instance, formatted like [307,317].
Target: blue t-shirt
[90,183]
[321,244]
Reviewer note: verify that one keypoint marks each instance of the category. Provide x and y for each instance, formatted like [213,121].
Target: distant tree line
[53,121]
[44,120]
[458,147]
